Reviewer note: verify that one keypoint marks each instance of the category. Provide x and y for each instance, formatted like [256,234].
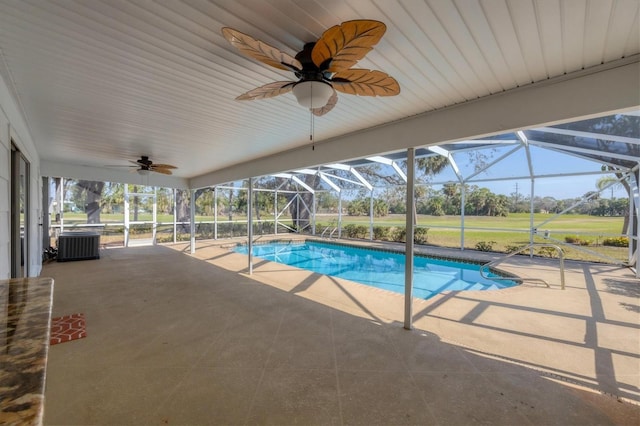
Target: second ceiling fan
[322,67]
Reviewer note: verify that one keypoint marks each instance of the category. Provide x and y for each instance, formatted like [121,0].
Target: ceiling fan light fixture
[143,172]
[312,94]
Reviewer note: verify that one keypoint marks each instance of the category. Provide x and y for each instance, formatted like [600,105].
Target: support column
[634,217]
[463,201]
[371,215]
[126,215]
[215,212]
[532,231]
[275,212]
[340,214]
[175,216]
[61,208]
[408,263]
[192,220]
[314,207]
[250,225]
[297,212]
[155,214]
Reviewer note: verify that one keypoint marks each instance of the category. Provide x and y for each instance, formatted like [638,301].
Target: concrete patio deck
[181,339]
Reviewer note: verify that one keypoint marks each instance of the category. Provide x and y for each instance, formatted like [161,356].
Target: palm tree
[605,181]
[613,183]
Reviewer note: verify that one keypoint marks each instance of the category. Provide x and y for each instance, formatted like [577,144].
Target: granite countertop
[25,323]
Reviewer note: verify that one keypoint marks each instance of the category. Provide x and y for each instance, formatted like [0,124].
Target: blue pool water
[376,268]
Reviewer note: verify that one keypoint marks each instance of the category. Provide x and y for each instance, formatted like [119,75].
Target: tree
[88,193]
[182,209]
[619,125]
[112,197]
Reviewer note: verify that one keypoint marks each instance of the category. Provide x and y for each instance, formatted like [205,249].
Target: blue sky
[544,162]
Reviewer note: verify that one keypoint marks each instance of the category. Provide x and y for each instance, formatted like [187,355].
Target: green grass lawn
[501,232]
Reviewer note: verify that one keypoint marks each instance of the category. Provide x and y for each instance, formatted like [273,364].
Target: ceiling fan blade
[341,46]
[267,91]
[333,100]
[365,83]
[260,50]
[162,166]
[162,170]
[136,163]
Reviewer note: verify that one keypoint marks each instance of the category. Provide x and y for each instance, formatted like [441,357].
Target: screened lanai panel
[505,161]
[617,153]
[546,162]
[627,125]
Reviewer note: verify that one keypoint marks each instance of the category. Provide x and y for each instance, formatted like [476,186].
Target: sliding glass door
[19,214]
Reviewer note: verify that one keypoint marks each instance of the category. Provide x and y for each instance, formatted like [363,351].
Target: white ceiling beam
[361,179]
[338,166]
[605,89]
[389,162]
[283,175]
[447,154]
[399,171]
[330,182]
[344,179]
[302,184]
[380,159]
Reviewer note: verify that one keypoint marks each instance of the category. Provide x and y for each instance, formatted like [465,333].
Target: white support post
[635,212]
[531,218]
[215,212]
[192,219]
[313,213]
[408,266]
[175,216]
[629,229]
[371,215]
[250,225]
[275,212]
[297,212]
[340,214]
[155,214]
[61,205]
[126,215]
[463,196]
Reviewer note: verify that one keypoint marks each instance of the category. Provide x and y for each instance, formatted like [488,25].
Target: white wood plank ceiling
[103,82]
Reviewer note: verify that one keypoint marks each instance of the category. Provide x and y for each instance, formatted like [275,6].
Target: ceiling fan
[322,67]
[144,166]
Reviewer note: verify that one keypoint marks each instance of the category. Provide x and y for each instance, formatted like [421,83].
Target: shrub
[616,242]
[511,249]
[420,235]
[352,230]
[349,230]
[398,234]
[485,245]
[381,233]
[362,231]
[574,239]
[548,251]
[164,238]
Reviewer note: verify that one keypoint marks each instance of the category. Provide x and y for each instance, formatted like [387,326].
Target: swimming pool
[377,268]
